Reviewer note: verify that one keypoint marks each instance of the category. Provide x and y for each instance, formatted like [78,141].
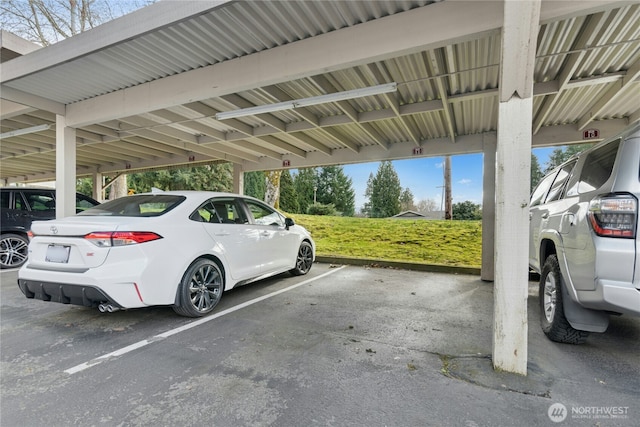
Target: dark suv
[584,239]
[18,207]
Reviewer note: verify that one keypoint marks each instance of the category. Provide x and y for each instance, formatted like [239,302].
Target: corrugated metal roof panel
[231,31]
[465,75]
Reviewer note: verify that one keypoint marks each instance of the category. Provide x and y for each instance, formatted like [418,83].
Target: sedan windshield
[144,205]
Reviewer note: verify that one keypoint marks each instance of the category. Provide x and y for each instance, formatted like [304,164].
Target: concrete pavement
[358,346]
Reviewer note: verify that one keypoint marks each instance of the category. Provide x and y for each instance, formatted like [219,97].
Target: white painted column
[65,168]
[487,272]
[238,178]
[98,194]
[513,164]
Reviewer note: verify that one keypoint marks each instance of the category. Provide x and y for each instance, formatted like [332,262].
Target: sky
[425,177]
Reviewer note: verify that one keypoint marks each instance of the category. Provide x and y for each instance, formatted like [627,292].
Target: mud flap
[583,319]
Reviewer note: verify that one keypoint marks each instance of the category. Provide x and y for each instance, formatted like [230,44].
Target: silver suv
[583,239]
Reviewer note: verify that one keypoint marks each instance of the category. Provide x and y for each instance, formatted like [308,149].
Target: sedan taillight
[105,239]
[614,215]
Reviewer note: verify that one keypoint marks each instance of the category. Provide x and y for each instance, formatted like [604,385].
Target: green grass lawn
[450,243]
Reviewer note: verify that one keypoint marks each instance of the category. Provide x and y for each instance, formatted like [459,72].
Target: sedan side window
[206,213]
[220,211]
[264,215]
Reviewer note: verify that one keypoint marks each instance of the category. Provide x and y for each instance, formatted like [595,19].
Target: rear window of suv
[598,167]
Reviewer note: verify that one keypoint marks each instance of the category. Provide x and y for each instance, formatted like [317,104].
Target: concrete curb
[434,268]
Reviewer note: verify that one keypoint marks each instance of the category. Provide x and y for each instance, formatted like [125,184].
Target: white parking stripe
[143,343]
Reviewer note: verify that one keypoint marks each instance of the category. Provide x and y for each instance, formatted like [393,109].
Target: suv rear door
[550,214]
[536,212]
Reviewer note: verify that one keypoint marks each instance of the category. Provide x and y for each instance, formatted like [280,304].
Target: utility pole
[448,207]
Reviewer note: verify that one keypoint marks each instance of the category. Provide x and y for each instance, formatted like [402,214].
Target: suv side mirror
[289,222]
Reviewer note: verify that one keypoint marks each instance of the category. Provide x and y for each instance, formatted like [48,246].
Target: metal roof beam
[310,120]
[394,104]
[434,60]
[30,100]
[351,112]
[589,33]
[615,91]
[388,37]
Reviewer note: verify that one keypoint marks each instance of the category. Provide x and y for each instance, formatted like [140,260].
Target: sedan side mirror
[289,222]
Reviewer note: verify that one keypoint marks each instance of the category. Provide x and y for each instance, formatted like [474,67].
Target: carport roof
[143,90]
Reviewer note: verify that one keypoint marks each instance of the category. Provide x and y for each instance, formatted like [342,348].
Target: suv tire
[13,250]
[553,321]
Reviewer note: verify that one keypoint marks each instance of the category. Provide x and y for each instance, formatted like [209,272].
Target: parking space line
[81,367]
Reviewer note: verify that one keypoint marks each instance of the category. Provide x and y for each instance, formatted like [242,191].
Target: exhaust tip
[111,308]
[102,308]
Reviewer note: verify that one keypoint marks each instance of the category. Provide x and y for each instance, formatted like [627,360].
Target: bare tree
[426,205]
[48,21]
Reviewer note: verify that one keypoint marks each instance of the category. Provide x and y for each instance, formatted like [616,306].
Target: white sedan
[177,248]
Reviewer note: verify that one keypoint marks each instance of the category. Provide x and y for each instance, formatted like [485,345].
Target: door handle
[545,215]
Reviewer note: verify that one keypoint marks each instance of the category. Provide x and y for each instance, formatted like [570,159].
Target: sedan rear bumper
[88,296]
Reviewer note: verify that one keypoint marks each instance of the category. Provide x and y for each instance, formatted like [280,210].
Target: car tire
[304,259]
[200,289]
[553,321]
[13,250]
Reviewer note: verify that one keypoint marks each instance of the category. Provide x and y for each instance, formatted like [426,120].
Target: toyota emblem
[54,229]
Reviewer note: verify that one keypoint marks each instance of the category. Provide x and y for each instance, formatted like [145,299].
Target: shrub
[322,209]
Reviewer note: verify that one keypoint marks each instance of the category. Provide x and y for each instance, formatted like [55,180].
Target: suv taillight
[614,215]
[105,239]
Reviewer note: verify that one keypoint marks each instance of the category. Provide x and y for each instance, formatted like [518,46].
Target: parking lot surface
[342,346]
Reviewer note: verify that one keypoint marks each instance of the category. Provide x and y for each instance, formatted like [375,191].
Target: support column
[65,168]
[513,162]
[238,178]
[487,273]
[98,193]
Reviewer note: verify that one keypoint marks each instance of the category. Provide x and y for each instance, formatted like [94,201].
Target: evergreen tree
[562,154]
[288,195]
[366,208]
[406,200]
[385,192]
[254,184]
[85,186]
[305,181]
[536,172]
[467,211]
[334,187]
[215,177]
